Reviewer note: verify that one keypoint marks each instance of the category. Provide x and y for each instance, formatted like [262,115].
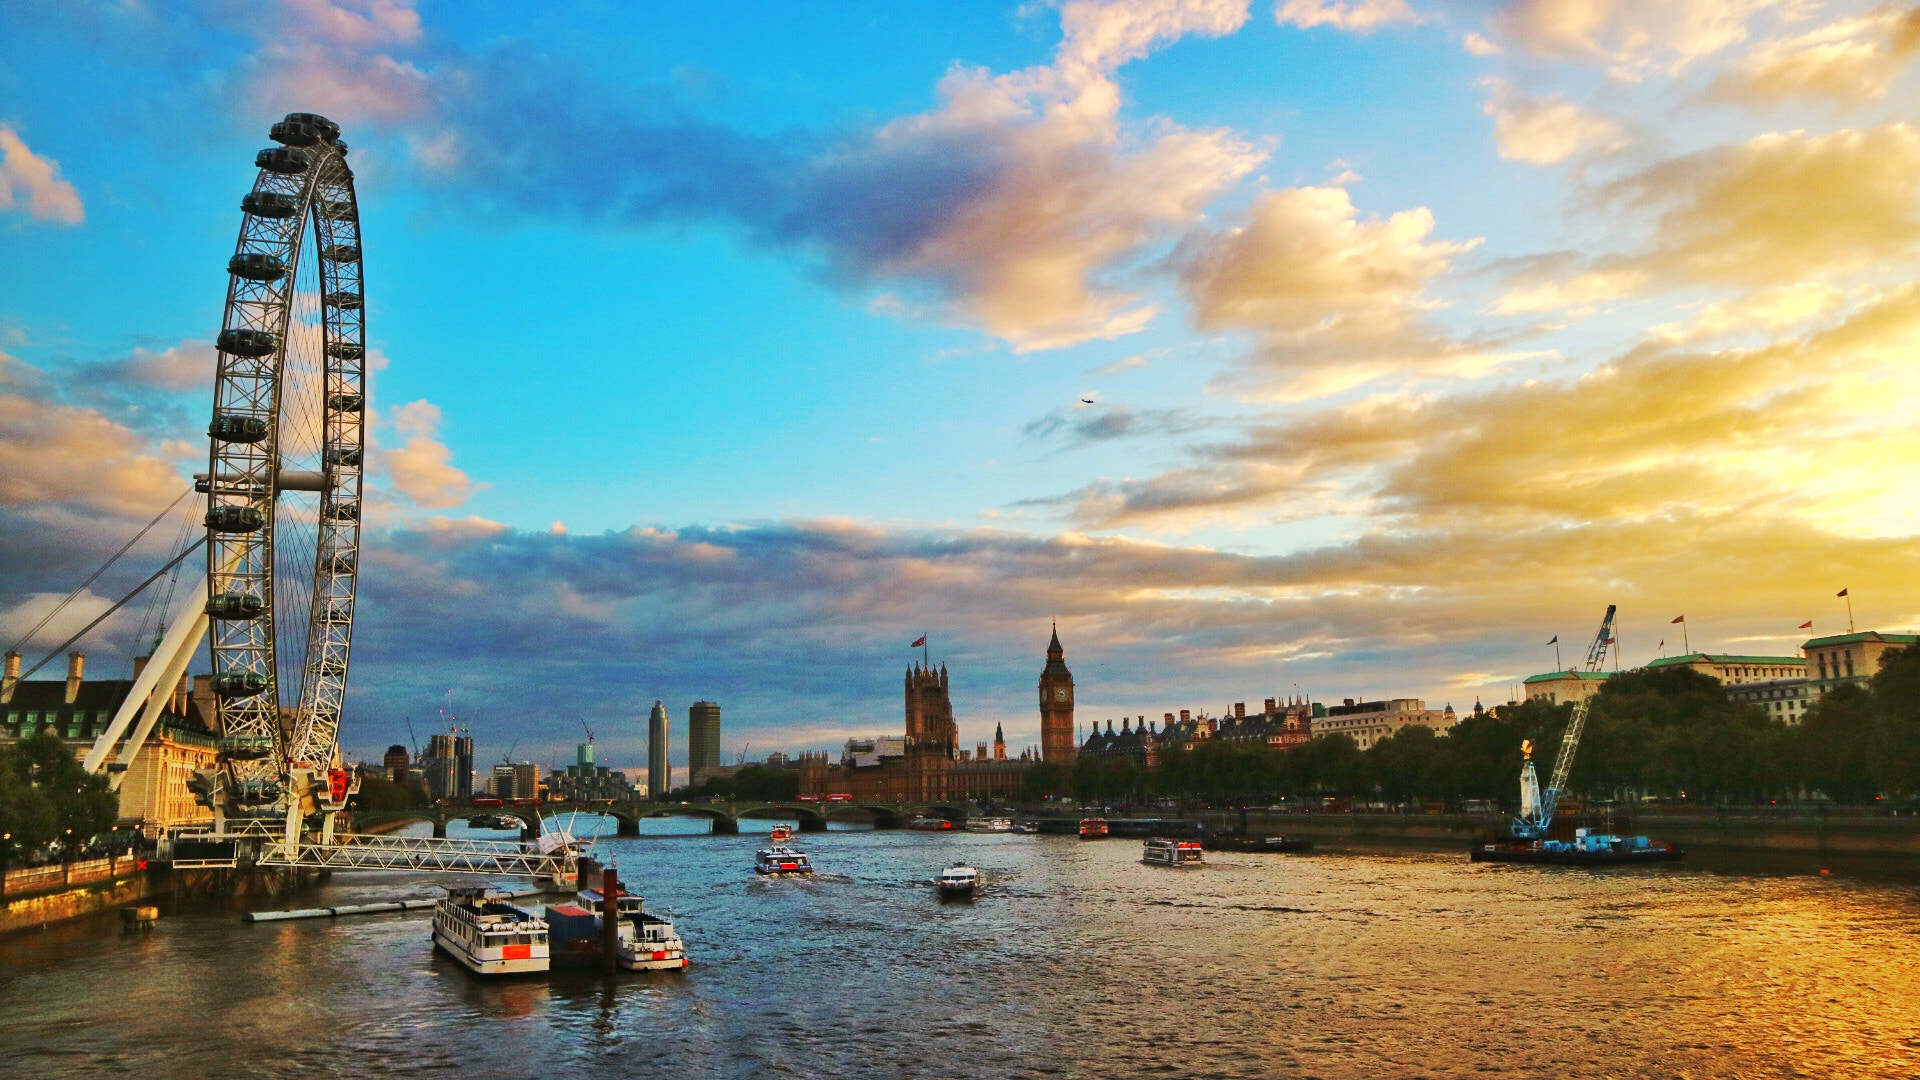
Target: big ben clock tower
[1056,707]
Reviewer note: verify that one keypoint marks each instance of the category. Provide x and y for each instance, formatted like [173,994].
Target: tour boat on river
[958,882]
[931,824]
[781,832]
[990,825]
[1093,828]
[780,861]
[487,935]
[1179,854]
[645,941]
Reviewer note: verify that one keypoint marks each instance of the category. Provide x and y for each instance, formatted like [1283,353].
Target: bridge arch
[809,817]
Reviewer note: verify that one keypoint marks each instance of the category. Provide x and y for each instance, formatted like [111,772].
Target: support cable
[122,602]
[95,576]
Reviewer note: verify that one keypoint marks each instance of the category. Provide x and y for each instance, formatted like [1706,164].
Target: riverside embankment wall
[1797,831]
[36,910]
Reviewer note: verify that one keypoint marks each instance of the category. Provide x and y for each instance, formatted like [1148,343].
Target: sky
[1344,348]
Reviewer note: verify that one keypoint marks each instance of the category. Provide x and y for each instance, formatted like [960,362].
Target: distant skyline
[1361,346]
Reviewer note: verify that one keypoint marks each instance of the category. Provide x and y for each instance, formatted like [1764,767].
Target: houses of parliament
[928,764]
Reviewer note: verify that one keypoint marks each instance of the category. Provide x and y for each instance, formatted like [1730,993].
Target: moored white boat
[958,881]
[645,941]
[489,936]
[781,861]
[1161,851]
[990,825]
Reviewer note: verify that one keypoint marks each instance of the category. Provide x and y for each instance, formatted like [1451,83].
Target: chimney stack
[1270,706]
[12,678]
[76,667]
[1239,710]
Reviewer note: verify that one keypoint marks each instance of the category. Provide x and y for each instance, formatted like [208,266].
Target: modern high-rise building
[659,773]
[398,764]
[703,740]
[463,767]
[1056,707]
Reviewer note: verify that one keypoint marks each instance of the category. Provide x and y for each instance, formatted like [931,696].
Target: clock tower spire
[1056,706]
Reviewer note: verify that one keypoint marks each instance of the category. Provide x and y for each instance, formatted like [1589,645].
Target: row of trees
[1663,732]
[45,796]
[754,783]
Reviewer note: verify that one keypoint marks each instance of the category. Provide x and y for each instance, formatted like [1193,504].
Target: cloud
[1768,310]
[1632,38]
[1104,423]
[1777,210]
[1477,44]
[1017,205]
[1847,62]
[188,365]
[1546,131]
[1782,207]
[1337,300]
[1358,16]
[421,468]
[356,23]
[55,456]
[32,183]
[1660,434]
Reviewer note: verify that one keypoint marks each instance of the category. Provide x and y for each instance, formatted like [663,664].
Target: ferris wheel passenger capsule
[239,684]
[257,266]
[229,427]
[235,519]
[285,160]
[270,204]
[235,605]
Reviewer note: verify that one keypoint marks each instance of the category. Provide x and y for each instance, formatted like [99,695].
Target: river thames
[1077,961]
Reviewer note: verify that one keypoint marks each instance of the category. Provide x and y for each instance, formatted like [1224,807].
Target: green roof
[1551,676]
[1722,658]
[1864,635]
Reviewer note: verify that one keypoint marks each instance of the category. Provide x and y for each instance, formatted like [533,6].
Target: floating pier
[379,908]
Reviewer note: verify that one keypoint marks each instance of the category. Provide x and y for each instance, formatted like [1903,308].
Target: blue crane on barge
[1537,806]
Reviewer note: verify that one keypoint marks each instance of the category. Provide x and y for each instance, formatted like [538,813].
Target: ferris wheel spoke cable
[118,604]
[95,576]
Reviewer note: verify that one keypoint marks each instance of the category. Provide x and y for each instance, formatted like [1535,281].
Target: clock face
[1059,693]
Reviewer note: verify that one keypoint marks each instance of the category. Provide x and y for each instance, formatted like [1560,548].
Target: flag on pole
[919,641]
[1842,592]
[1555,641]
[1662,645]
[1681,619]
[1808,625]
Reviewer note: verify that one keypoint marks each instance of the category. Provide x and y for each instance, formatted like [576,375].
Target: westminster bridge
[725,816]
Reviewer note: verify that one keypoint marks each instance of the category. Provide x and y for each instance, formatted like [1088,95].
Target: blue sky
[727,351]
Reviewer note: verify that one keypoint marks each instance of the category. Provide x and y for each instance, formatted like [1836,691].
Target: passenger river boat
[958,882]
[781,861]
[489,936]
[1179,854]
[931,824]
[1093,828]
[990,825]
[781,833]
[646,942]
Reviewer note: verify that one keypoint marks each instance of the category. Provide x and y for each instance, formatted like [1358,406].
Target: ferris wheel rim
[303,206]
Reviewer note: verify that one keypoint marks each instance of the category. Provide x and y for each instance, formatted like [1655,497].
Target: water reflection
[1075,961]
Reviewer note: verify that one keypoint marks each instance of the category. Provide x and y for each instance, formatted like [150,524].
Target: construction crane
[414,739]
[507,758]
[742,759]
[1537,806]
[1602,641]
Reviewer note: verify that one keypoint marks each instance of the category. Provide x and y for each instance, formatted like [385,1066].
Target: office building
[703,740]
